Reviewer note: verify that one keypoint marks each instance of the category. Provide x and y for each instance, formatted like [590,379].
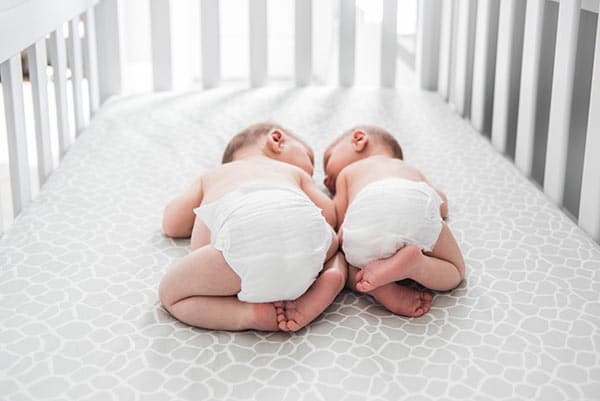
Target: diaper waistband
[252,187]
[401,183]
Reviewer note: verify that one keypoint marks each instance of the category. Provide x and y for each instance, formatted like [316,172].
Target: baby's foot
[280,311]
[289,317]
[265,317]
[403,300]
[384,271]
[293,315]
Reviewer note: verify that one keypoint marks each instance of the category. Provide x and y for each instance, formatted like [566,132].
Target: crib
[502,111]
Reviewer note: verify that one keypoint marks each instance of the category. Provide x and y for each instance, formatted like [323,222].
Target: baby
[261,231]
[390,222]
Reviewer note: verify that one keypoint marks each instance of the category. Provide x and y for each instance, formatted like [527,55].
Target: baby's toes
[283,326]
[359,275]
[293,325]
[425,299]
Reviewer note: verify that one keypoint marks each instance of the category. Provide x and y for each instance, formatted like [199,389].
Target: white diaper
[387,215]
[274,237]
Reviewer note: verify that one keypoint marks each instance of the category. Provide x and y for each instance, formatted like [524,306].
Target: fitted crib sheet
[80,317]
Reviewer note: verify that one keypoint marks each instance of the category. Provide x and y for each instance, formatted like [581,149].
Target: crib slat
[74,55]
[445,48]
[532,45]
[39,87]
[91,71]
[508,71]
[589,204]
[58,59]
[12,89]
[562,96]
[464,56]
[109,50]
[389,43]
[303,49]
[258,42]
[211,48]
[347,42]
[162,50]
[484,64]
[428,42]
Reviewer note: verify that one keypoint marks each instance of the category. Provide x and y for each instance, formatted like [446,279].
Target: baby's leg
[200,234]
[200,290]
[333,247]
[441,269]
[396,298]
[293,315]
[445,269]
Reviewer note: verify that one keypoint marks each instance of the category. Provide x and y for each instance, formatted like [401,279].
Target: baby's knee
[337,271]
[166,295]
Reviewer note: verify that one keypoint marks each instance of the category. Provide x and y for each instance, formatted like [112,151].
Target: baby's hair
[251,135]
[379,134]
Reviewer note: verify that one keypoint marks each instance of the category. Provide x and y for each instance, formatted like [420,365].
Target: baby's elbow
[173,224]
[168,227]
[444,210]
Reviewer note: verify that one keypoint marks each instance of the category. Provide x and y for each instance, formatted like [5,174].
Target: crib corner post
[109,47]
[428,43]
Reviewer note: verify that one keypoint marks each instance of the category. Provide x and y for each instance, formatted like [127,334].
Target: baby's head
[273,141]
[355,144]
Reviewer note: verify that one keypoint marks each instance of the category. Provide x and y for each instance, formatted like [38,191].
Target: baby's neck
[251,152]
[381,153]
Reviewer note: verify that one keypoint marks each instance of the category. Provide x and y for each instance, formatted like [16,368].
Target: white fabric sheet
[79,270]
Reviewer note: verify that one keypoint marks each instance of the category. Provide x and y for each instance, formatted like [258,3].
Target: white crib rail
[589,209]
[11,74]
[211,47]
[562,97]
[210,12]
[303,36]
[34,27]
[523,89]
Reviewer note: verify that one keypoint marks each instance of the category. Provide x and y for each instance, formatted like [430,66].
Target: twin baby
[265,254]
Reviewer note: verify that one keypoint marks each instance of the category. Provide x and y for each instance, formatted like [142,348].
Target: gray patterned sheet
[79,270]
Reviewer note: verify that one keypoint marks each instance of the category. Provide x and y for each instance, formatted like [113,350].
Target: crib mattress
[79,270]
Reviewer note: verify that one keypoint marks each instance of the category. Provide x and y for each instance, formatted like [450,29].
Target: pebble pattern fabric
[79,270]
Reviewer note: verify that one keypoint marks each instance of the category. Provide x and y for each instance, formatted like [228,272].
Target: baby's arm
[340,200]
[444,205]
[319,198]
[179,217]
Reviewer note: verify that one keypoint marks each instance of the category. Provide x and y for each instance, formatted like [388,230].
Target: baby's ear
[360,139]
[275,140]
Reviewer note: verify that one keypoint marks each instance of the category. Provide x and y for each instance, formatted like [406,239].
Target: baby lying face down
[390,222]
[261,232]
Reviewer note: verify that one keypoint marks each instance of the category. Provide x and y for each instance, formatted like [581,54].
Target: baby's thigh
[200,234]
[202,272]
[447,248]
[333,247]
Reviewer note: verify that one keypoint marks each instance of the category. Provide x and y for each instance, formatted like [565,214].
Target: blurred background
[280,33]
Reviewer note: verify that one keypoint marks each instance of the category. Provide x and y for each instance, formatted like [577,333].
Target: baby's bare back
[230,176]
[366,171]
